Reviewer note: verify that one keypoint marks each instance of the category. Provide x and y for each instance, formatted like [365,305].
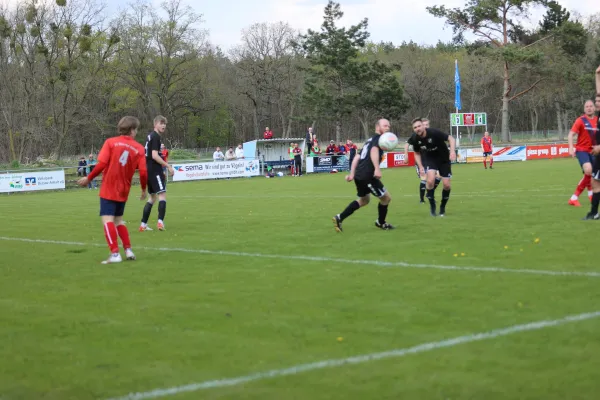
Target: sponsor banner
[327,163]
[547,151]
[395,159]
[516,153]
[216,170]
[32,181]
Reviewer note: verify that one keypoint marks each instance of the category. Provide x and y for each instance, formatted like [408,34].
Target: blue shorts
[111,207]
[584,157]
[487,153]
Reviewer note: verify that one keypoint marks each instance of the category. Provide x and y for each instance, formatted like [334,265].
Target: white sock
[160,221]
[574,197]
[144,225]
[590,192]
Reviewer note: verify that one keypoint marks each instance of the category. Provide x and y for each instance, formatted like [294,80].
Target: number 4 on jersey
[124,158]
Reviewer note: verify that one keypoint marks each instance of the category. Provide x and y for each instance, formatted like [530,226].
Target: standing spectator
[291,156]
[268,133]
[91,163]
[315,141]
[82,170]
[230,155]
[218,155]
[239,152]
[297,159]
[331,149]
[315,150]
[351,149]
[309,139]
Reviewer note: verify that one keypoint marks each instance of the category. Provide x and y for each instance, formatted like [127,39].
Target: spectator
[230,155]
[315,141]
[331,149]
[342,149]
[268,133]
[351,149]
[91,163]
[297,159]
[309,139]
[82,170]
[315,151]
[218,155]
[239,152]
[270,171]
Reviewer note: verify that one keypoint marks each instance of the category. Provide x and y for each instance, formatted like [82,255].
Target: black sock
[349,210]
[437,182]
[445,198]
[431,197]
[382,213]
[162,209]
[422,191]
[147,211]
[595,203]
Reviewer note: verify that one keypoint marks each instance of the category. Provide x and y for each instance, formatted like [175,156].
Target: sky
[389,20]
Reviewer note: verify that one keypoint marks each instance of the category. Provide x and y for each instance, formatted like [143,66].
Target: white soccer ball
[388,141]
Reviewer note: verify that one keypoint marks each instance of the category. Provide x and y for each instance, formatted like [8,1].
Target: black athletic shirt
[365,168]
[432,146]
[152,143]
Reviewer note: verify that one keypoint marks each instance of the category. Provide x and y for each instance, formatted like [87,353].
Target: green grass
[71,328]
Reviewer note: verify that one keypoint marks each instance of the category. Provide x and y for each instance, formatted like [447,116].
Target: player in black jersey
[421,174]
[156,178]
[366,174]
[432,156]
[593,214]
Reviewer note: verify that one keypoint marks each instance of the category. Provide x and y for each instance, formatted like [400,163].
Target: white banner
[30,181]
[513,153]
[216,170]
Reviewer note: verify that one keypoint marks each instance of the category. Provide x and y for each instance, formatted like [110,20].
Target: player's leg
[122,231]
[446,174]
[438,179]
[385,198]
[491,161]
[363,199]
[431,190]
[585,161]
[485,160]
[108,209]
[593,214]
[423,179]
[162,210]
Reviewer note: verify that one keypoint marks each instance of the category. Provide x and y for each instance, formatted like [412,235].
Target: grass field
[251,277]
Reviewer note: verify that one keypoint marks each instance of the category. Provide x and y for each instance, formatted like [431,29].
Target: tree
[338,80]
[499,24]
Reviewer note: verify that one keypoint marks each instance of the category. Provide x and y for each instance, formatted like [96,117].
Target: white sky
[389,20]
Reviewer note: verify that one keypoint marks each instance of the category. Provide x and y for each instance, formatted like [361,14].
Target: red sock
[484,163]
[588,180]
[110,232]
[491,162]
[124,235]
[581,185]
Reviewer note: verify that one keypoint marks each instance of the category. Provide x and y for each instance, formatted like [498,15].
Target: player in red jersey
[585,127]
[487,149]
[119,158]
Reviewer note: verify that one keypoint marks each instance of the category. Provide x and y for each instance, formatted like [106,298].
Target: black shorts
[487,153]
[371,186]
[443,167]
[596,168]
[156,182]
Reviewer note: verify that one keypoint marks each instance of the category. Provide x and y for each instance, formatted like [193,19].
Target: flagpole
[457,102]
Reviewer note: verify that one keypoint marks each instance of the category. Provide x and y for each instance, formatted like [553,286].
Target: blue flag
[457,88]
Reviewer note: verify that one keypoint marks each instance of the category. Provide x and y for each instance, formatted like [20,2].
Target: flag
[457,87]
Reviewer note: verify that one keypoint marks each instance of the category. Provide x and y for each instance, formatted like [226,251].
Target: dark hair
[416,120]
[126,124]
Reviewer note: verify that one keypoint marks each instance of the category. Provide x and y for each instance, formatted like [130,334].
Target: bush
[15,164]
[182,154]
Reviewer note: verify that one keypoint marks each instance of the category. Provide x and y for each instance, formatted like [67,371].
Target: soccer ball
[388,141]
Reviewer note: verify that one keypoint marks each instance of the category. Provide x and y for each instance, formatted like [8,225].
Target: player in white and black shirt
[156,178]
[593,214]
[431,156]
[366,174]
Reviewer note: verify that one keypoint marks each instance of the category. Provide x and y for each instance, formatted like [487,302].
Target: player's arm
[418,160]
[570,140]
[143,176]
[482,149]
[452,142]
[406,145]
[355,162]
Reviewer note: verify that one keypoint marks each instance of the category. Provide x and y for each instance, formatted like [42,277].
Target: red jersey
[331,149]
[119,158]
[165,155]
[297,151]
[486,142]
[268,135]
[586,129]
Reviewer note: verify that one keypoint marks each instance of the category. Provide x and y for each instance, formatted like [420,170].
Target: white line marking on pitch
[421,348]
[391,264]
